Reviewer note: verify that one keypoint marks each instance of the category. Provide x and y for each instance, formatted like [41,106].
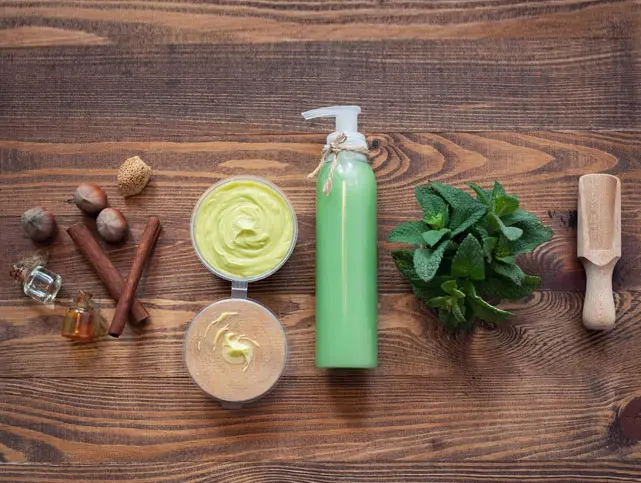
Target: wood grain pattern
[191,92]
[533,93]
[46,36]
[160,22]
[545,336]
[328,472]
[341,417]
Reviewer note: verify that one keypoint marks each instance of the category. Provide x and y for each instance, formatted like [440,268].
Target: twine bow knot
[333,149]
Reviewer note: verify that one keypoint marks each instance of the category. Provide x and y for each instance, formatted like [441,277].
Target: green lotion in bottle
[346,247]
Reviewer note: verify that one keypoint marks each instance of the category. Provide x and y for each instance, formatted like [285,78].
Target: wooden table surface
[533,93]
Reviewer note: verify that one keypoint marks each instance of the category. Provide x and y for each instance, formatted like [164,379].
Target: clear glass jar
[80,322]
[39,283]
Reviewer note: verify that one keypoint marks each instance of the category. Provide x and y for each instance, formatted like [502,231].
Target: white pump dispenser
[346,123]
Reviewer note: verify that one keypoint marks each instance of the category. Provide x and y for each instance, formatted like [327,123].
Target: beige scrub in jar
[235,350]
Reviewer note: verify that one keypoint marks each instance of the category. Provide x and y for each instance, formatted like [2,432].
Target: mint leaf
[439,302]
[426,290]
[458,311]
[455,320]
[496,288]
[452,246]
[512,233]
[510,271]
[468,288]
[485,311]
[432,237]
[505,205]
[427,261]
[502,248]
[518,216]
[434,208]
[484,196]
[466,216]
[410,232]
[450,287]
[480,232]
[455,197]
[489,244]
[404,261]
[448,320]
[468,261]
[436,222]
[534,233]
[480,308]
[451,308]
[497,190]
[465,210]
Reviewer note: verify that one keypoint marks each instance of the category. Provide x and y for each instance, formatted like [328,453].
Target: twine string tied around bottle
[333,149]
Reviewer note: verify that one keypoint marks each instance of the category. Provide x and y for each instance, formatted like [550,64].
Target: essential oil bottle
[39,283]
[80,322]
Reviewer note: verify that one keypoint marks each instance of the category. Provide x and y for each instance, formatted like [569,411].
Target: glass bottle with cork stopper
[39,283]
[81,322]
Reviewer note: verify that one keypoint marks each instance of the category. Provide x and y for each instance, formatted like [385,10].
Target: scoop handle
[599,312]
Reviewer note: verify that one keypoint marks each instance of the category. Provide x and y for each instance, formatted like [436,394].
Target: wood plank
[330,472]
[545,336]
[28,36]
[162,22]
[541,167]
[206,90]
[192,92]
[341,417]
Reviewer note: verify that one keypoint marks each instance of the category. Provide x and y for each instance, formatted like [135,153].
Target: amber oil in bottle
[81,322]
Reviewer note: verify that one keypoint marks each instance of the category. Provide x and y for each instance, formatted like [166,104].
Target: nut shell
[112,225]
[39,223]
[133,176]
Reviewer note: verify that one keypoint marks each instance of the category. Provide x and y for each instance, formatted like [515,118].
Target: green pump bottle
[346,247]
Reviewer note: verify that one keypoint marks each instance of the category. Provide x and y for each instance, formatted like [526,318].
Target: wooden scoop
[599,245]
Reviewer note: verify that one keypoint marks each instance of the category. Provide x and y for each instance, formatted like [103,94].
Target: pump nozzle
[346,122]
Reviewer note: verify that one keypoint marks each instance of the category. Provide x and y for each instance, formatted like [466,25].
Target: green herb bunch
[464,252]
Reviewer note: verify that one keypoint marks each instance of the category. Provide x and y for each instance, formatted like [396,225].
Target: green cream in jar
[243,228]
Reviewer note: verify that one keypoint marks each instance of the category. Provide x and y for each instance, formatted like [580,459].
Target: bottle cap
[346,123]
[84,300]
[18,273]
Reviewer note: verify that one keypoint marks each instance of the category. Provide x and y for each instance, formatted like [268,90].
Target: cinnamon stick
[147,242]
[107,273]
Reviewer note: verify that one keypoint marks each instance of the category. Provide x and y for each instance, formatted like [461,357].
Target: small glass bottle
[80,322]
[40,284]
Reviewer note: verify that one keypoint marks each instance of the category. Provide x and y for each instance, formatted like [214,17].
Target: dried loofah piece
[133,176]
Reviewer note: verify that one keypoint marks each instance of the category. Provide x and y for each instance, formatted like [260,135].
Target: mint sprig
[464,252]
